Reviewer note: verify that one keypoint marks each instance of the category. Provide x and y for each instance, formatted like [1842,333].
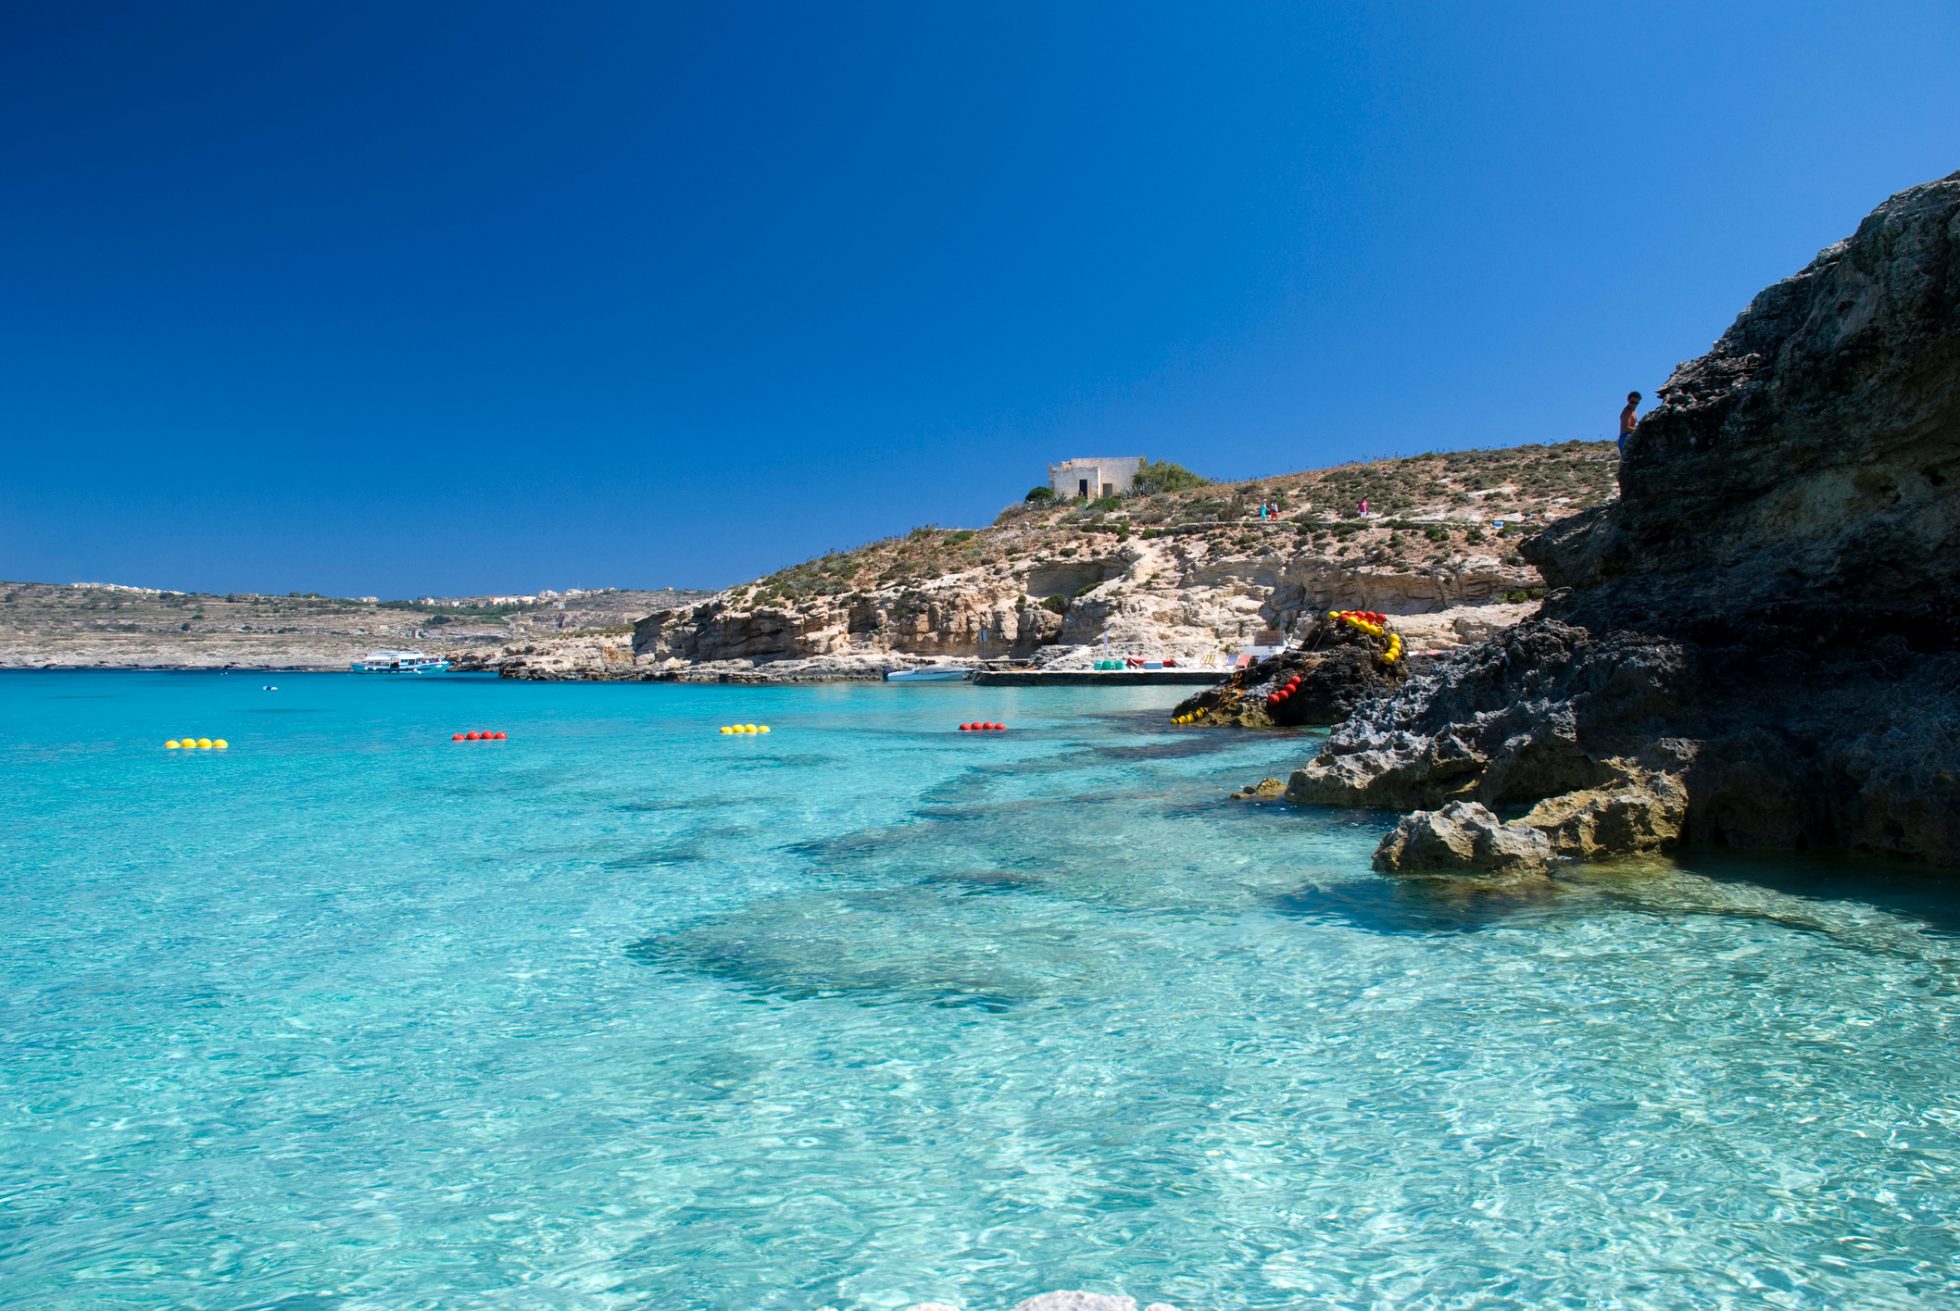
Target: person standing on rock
[1629,419]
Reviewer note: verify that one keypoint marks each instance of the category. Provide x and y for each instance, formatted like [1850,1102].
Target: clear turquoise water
[622,1013]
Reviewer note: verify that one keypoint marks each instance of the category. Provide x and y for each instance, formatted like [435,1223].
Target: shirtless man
[1629,419]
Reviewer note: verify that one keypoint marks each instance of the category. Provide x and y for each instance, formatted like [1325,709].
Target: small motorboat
[930,674]
[400,662]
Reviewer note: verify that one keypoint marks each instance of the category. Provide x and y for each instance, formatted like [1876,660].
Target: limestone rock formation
[1756,645]
[1464,835]
[1535,712]
[1640,810]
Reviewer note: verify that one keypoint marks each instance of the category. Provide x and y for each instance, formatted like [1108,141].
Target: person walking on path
[1629,419]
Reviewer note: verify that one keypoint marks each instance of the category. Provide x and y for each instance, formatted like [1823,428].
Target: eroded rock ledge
[1755,645]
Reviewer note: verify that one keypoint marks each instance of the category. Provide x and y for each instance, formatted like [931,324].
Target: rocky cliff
[1188,575]
[1754,645]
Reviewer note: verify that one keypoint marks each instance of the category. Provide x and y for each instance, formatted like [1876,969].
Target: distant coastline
[110,626]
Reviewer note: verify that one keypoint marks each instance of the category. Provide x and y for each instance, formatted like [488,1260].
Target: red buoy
[471,736]
[455,737]
[998,728]
[502,735]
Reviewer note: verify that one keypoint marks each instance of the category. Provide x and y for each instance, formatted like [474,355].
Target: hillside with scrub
[1182,568]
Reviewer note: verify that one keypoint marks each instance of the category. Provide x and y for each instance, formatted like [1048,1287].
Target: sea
[621,1011]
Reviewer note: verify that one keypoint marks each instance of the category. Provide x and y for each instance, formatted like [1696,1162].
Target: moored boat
[400,662]
[930,674]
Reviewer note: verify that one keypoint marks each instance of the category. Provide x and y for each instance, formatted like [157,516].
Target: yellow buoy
[219,743]
[171,745]
[763,729]
[204,743]
[726,730]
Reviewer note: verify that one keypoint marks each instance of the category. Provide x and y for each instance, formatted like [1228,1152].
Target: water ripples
[858,1016]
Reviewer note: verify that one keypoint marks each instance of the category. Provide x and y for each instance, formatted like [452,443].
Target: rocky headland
[1190,575]
[1755,644]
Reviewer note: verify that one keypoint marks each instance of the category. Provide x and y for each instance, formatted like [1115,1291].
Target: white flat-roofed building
[1094,477]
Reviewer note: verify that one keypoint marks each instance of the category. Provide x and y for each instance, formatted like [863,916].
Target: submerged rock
[1067,1301]
[1266,789]
[1754,646]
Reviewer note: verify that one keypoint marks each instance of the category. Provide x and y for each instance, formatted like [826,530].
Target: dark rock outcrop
[1337,669]
[1756,645]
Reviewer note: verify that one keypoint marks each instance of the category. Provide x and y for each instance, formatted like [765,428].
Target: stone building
[1092,478]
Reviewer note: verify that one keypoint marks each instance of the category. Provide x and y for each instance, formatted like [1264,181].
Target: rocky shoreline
[616,661]
[1756,644]
[1193,575]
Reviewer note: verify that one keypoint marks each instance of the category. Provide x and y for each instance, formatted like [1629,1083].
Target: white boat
[400,662]
[931,674]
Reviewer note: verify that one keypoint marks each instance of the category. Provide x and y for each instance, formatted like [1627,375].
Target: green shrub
[1162,476]
[1055,604]
[1040,496]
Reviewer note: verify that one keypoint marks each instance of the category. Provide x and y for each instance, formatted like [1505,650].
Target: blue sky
[396,299]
